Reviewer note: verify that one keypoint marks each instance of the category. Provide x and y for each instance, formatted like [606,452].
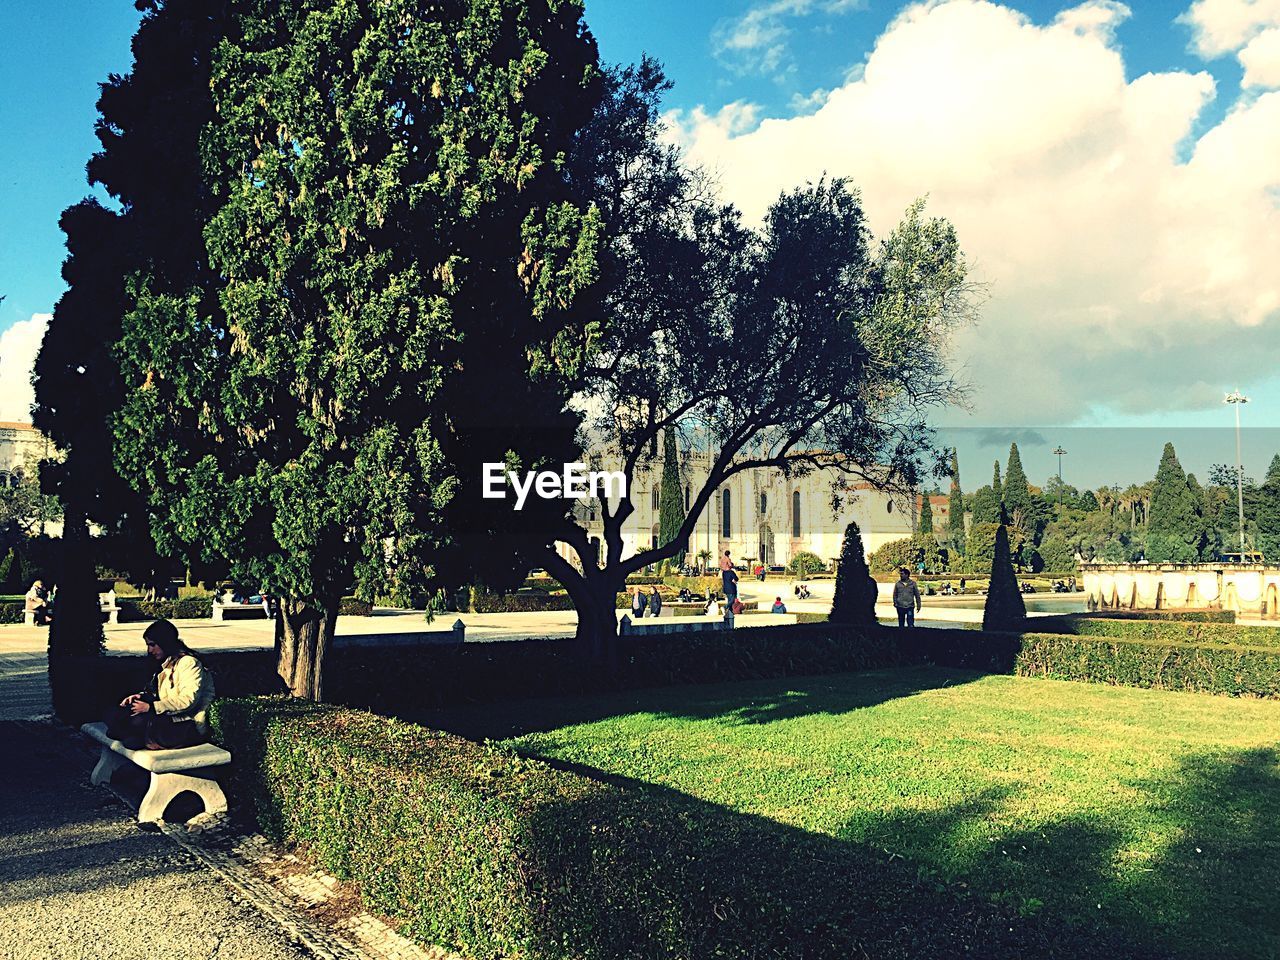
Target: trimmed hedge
[354,607]
[1199,632]
[191,608]
[1190,616]
[11,612]
[484,852]
[482,601]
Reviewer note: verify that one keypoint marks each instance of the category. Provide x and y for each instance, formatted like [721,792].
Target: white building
[22,446]
[761,516]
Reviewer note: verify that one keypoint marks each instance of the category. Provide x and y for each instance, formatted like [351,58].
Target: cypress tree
[955,505]
[1017,493]
[988,502]
[670,502]
[926,514]
[1004,609]
[855,596]
[1174,524]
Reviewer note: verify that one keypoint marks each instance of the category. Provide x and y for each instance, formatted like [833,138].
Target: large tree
[988,502]
[955,506]
[1018,503]
[799,345]
[1175,528]
[926,514]
[387,213]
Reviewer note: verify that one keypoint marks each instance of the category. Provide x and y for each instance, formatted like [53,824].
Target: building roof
[15,425]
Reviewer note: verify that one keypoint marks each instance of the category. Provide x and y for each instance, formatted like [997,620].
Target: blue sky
[1144,335]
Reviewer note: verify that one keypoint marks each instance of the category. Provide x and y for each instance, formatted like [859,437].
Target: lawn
[1155,812]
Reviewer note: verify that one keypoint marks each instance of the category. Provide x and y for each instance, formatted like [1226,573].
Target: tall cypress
[1175,523]
[670,502]
[955,504]
[926,514]
[1017,493]
[988,502]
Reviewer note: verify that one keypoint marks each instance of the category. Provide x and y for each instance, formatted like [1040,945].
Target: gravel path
[78,879]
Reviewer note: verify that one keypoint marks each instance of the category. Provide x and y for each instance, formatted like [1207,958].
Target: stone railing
[1249,589]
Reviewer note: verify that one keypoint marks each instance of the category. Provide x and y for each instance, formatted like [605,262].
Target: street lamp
[1059,453]
[1237,399]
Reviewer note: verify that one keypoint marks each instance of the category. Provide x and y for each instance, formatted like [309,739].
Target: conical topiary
[855,597]
[1004,609]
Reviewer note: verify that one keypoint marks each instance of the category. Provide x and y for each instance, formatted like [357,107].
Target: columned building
[760,515]
[22,446]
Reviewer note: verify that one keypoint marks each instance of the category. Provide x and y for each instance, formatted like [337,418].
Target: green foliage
[980,548]
[12,573]
[480,850]
[670,496]
[926,515]
[1165,630]
[384,244]
[12,611]
[1056,554]
[854,601]
[955,507]
[354,607]
[191,608]
[805,563]
[987,505]
[485,601]
[893,555]
[1018,502]
[1175,525]
[1004,609]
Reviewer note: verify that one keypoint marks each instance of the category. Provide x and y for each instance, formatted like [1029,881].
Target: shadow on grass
[745,702]
[644,871]
[1210,892]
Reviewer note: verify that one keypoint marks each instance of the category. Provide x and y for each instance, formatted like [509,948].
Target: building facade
[761,516]
[22,446]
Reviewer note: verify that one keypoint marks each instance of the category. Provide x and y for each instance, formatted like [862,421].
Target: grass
[1155,812]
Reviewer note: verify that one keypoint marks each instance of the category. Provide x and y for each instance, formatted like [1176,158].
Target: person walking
[906,598]
[655,603]
[728,579]
[638,603]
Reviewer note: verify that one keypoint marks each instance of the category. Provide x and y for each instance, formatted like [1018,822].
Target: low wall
[1251,590]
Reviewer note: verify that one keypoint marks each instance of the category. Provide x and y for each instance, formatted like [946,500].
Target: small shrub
[805,564]
[354,607]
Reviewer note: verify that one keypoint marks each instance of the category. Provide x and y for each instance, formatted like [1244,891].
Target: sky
[1112,170]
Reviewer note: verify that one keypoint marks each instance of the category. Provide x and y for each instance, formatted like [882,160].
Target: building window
[726,527]
[764,504]
[795,514]
[654,532]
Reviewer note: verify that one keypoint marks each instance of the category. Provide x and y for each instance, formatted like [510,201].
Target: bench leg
[108,763]
[165,786]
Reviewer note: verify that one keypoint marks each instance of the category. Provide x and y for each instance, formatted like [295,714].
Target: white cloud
[1118,275]
[756,42]
[18,348]
[1261,60]
[1224,26]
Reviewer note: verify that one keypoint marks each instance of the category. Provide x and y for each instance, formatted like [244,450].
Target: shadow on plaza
[738,702]
[711,879]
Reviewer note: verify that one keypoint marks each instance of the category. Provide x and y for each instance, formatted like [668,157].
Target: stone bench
[107,606]
[172,772]
[220,610]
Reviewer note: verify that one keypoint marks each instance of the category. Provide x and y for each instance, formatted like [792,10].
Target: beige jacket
[184,690]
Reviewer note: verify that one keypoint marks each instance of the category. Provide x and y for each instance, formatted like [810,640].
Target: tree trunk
[597,634]
[77,618]
[303,638]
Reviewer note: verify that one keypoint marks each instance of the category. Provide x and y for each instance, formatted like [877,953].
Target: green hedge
[191,608]
[1200,632]
[1189,616]
[482,601]
[12,612]
[354,607]
[492,855]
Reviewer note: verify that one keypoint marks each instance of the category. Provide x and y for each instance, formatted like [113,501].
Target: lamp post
[1059,453]
[1237,399]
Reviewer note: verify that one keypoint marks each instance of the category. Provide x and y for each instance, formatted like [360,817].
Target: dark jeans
[730,590]
[906,616]
[136,732]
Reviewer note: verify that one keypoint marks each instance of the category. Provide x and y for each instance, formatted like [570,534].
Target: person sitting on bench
[171,712]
